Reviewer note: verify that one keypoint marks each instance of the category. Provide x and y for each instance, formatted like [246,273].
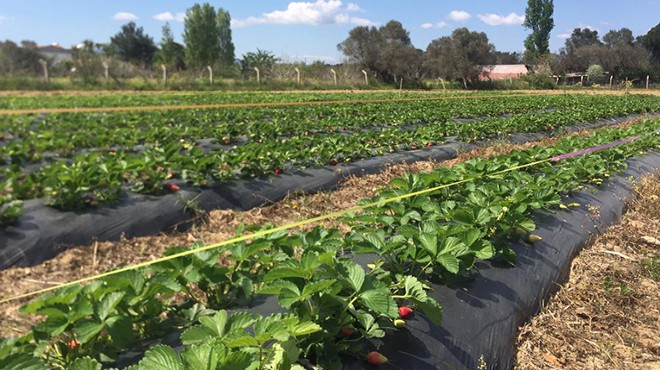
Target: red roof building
[502,71]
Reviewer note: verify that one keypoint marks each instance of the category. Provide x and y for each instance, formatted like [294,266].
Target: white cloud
[564,36]
[361,21]
[310,13]
[353,8]
[125,16]
[499,20]
[459,15]
[427,26]
[167,16]
[3,18]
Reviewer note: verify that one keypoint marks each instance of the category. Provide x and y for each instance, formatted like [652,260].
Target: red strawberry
[375,358]
[429,144]
[73,343]
[347,332]
[333,162]
[414,147]
[172,187]
[278,171]
[405,311]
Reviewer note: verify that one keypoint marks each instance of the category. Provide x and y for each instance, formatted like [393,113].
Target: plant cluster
[84,160]
[332,305]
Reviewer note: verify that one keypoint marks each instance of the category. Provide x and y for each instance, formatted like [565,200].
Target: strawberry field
[334,295]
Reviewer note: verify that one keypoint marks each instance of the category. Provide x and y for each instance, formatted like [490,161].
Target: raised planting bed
[454,255]
[38,233]
[73,193]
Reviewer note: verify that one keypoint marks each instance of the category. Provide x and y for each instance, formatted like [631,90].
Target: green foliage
[538,19]
[415,240]
[171,53]
[386,51]
[133,45]
[262,59]
[582,37]
[207,36]
[459,56]
[17,60]
[651,42]
[596,73]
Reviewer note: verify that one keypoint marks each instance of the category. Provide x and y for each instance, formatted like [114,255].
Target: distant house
[55,52]
[502,71]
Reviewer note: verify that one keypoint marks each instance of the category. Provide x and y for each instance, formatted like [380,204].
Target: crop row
[200,98]
[25,139]
[95,179]
[332,304]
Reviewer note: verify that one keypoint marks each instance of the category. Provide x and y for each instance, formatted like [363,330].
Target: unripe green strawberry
[375,358]
[399,323]
[533,238]
[521,231]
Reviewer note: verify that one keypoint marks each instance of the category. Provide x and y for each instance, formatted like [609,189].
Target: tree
[262,59]
[459,56]
[207,36]
[387,51]
[506,57]
[363,47]
[132,45]
[171,53]
[538,18]
[19,60]
[651,42]
[621,37]
[227,50]
[596,73]
[582,37]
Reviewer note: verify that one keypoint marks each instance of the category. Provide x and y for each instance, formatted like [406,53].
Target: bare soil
[607,316]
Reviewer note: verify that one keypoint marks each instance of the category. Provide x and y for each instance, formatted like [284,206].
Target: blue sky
[310,30]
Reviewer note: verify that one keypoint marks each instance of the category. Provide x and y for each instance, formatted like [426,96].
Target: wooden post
[401,83]
[44,66]
[210,74]
[557,81]
[164,68]
[258,77]
[366,78]
[106,67]
[611,78]
[443,83]
[297,75]
[582,80]
[647,81]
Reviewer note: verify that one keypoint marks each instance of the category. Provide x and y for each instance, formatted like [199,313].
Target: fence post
[44,65]
[210,74]
[106,67]
[334,75]
[258,77]
[297,75]
[401,83]
[366,78]
[647,81]
[611,77]
[443,83]
[164,68]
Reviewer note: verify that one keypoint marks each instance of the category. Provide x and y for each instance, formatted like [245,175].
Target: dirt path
[607,316]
